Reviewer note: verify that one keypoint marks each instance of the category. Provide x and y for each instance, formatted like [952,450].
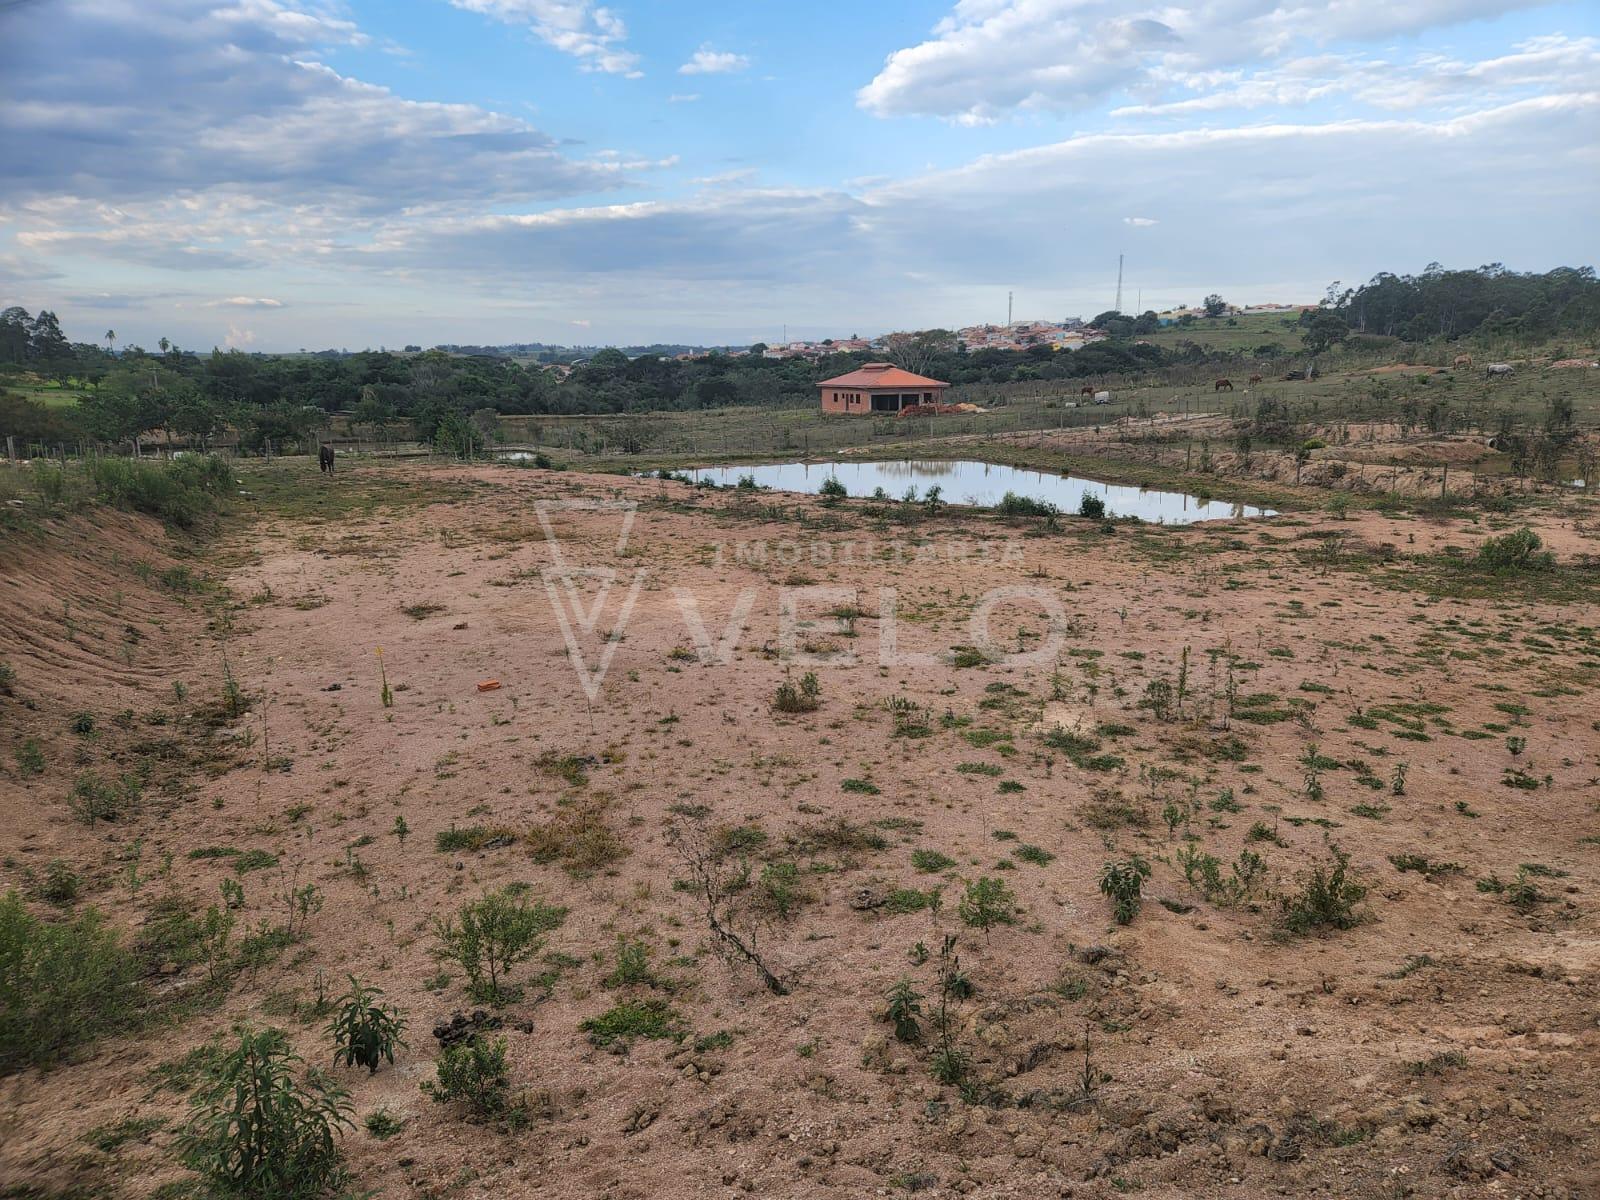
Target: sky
[285,174]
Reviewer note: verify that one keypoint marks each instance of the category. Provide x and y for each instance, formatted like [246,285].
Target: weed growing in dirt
[93,798]
[1122,882]
[904,1011]
[652,1019]
[474,1076]
[987,902]
[1326,900]
[255,1130]
[365,1032]
[490,936]
[804,698]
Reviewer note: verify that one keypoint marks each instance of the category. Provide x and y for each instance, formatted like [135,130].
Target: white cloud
[1140,222]
[989,58]
[592,34]
[170,97]
[247,302]
[683,97]
[238,339]
[1287,208]
[707,61]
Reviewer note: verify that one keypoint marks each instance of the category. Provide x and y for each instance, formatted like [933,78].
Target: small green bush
[1092,506]
[60,984]
[95,799]
[257,1131]
[474,1075]
[1122,882]
[365,1032]
[493,934]
[987,902]
[1326,900]
[1518,550]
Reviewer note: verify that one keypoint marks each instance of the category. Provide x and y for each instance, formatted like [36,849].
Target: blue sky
[273,174]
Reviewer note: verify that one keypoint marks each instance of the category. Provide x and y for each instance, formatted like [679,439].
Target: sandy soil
[1444,1046]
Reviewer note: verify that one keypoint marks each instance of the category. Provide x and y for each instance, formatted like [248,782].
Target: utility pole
[1117,307]
[1008,309]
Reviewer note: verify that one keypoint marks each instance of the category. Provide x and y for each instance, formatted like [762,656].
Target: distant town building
[878,387]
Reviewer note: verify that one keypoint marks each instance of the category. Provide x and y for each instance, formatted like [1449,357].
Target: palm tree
[164,344]
[111,341]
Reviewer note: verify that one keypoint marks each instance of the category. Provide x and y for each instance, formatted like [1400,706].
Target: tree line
[434,394]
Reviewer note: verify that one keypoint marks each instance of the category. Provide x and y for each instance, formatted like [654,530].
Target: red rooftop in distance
[878,387]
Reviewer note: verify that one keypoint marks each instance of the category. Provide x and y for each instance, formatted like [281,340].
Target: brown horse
[1255,379]
[1086,391]
[325,458]
[1222,385]
[1462,360]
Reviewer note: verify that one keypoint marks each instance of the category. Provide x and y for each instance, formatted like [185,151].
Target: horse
[1255,379]
[1222,385]
[1086,390]
[325,459]
[1496,369]
[1462,360]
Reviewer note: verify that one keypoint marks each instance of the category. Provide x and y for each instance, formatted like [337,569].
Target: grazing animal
[1462,360]
[1497,369]
[1086,390]
[1255,379]
[1222,385]
[325,459]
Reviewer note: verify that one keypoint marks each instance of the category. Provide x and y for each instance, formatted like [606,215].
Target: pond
[984,484]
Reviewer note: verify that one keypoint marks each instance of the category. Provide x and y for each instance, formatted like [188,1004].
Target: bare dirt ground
[1442,1046]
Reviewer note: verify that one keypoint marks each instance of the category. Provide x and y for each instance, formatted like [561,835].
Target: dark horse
[325,459]
[1086,391]
[1223,385]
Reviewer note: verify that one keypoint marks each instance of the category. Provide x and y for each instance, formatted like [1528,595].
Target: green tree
[1215,305]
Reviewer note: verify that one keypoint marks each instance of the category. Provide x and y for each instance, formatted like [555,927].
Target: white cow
[1497,369]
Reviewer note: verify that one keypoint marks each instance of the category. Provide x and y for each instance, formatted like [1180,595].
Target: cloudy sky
[272,174]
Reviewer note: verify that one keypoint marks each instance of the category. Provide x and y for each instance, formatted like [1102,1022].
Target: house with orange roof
[878,387]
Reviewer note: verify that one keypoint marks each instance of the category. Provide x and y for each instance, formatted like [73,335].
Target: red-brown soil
[1444,1046]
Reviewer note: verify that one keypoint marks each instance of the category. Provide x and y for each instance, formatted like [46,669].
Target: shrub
[931,860]
[1037,855]
[95,799]
[474,1074]
[1092,506]
[832,489]
[1013,505]
[60,984]
[30,759]
[8,679]
[634,1019]
[60,884]
[1326,900]
[1123,884]
[986,903]
[807,697]
[257,1131]
[181,491]
[365,1032]
[491,935]
[1515,551]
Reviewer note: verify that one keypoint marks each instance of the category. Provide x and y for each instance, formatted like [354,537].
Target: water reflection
[967,482]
